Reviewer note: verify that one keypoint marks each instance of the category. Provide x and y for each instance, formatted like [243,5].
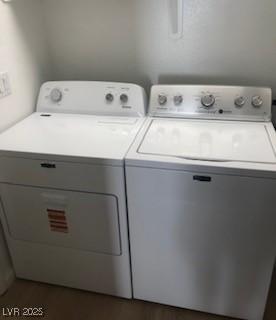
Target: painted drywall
[24,55]
[224,41]
[93,39]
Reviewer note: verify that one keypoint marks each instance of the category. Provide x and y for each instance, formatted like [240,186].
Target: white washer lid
[72,135]
[209,140]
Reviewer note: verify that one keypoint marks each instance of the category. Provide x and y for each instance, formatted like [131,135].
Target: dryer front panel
[78,220]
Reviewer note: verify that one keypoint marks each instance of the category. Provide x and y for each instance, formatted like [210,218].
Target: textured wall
[224,41]
[24,55]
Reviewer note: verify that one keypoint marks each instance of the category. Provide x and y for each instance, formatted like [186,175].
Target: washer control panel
[92,97]
[211,102]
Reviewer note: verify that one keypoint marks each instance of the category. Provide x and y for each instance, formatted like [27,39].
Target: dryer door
[79,220]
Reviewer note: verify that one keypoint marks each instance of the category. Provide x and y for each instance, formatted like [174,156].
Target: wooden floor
[63,303]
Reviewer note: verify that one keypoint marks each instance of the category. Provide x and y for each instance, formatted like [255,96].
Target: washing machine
[62,185]
[201,181]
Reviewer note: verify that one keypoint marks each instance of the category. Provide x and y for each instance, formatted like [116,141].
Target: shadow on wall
[93,40]
[205,80]
[30,27]
[23,54]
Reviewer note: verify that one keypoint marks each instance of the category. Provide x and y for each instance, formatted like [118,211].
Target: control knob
[257,101]
[208,100]
[162,99]
[109,97]
[178,100]
[240,102]
[56,95]
[124,98]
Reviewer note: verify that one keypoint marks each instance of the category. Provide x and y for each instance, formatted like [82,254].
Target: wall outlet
[5,87]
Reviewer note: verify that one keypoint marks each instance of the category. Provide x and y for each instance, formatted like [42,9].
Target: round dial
[109,97]
[178,100]
[208,100]
[240,101]
[257,101]
[124,98]
[56,95]
[162,99]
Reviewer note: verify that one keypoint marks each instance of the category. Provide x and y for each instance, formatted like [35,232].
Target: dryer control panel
[92,97]
[211,102]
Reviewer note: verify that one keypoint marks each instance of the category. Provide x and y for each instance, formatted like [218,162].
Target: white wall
[23,53]
[93,39]
[225,41]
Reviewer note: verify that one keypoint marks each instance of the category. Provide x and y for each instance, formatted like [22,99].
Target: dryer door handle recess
[202,178]
[48,165]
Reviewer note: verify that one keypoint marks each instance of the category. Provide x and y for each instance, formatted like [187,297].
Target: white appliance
[63,185]
[201,181]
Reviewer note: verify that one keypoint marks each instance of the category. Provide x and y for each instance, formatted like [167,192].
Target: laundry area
[137,159]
